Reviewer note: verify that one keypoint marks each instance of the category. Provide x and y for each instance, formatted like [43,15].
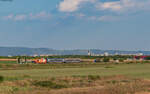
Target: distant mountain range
[14,51]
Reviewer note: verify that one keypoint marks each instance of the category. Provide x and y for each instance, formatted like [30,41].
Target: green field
[12,72]
[36,71]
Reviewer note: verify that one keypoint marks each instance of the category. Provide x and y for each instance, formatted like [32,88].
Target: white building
[106,54]
[89,53]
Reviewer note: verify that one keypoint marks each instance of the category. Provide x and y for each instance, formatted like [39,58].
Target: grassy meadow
[81,78]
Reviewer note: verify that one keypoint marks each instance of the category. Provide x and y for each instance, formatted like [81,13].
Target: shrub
[106,60]
[53,78]
[1,79]
[121,60]
[26,76]
[108,67]
[93,77]
[49,84]
[1,66]
[12,78]
[98,60]
[112,82]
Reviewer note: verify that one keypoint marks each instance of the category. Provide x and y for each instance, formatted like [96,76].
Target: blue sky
[76,24]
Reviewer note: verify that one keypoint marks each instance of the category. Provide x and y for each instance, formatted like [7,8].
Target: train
[56,60]
[142,57]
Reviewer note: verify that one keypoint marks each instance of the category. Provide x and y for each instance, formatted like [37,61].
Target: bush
[108,67]
[93,77]
[106,60]
[112,82]
[98,60]
[121,60]
[49,84]
[1,79]
[147,58]
[26,76]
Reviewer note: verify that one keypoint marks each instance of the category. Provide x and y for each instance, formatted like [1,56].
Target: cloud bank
[124,6]
[109,8]
[103,10]
[72,5]
[114,6]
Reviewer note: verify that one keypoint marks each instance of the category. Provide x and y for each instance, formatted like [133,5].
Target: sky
[76,24]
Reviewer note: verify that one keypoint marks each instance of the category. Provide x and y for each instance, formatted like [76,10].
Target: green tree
[106,60]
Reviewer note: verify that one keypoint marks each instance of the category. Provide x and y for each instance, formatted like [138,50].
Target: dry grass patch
[77,85]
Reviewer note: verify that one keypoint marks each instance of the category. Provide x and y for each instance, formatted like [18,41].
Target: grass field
[66,78]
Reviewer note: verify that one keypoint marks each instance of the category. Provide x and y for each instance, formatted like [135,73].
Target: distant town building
[140,54]
[89,53]
[35,55]
[106,54]
[9,55]
[116,54]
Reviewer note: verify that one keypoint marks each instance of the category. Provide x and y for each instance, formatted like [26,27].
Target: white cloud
[112,10]
[79,15]
[41,15]
[71,5]
[114,6]
[107,18]
[124,5]
[10,16]
[20,17]
[92,18]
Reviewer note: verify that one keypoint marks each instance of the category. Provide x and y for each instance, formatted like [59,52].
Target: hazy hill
[5,51]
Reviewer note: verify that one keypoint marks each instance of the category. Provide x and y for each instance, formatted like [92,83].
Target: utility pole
[18,60]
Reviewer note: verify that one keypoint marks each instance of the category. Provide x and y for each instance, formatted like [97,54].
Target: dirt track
[8,59]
